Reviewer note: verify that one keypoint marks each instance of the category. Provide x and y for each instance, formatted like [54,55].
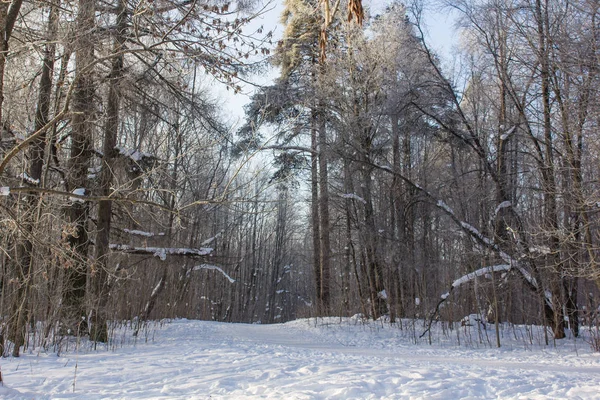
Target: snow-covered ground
[310,359]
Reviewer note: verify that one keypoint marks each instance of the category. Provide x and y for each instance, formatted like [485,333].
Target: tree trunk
[73,305]
[99,275]
[548,179]
[315,218]
[36,163]
[9,11]
[324,230]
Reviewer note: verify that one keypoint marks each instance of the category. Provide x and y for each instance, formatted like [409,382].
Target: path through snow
[303,360]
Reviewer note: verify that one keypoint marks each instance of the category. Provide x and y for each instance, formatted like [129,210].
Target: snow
[4,190]
[504,204]
[480,272]
[353,196]
[441,204]
[25,177]
[93,172]
[78,192]
[309,359]
[211,239]
[142,233]
[466,226]
[507,134]
[545,250]
[215,268]
[161,252]
[133,154]
[475,232]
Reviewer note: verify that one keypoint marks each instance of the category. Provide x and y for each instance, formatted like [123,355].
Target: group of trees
[481,178]
[120,199]
[432,192]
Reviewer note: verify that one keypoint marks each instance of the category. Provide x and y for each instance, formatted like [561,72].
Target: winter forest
[370,176]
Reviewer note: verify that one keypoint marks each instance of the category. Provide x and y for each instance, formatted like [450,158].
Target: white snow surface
[307,359]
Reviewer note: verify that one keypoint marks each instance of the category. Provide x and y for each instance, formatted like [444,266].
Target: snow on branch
[353,196]
[504,204]
[212,239]
[134,155]
[162,252]
[508,133]
[461,281]
[214,268]
[136,232]
[80,192]
[480,272]
[26,178]
[473,232]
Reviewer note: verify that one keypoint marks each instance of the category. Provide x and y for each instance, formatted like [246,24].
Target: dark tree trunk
[99,275]
[36,164]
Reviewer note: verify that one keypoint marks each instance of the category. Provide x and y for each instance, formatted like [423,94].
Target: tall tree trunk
[548,178]
[74,310]
[9,11]
[374,267]
[324,230]
[36,163]
[99,274]
[315,219]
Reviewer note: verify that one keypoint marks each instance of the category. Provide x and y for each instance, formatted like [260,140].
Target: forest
[370,176]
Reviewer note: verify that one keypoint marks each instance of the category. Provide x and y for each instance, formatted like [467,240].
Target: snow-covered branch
[461,281]
[162,252]
[136,232]
[353,196]
[215,268]
[473,232]
[288,148]
[212,239]
[480,272]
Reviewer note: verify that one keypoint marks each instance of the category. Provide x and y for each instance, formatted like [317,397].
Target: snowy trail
[298,360]
[255,333]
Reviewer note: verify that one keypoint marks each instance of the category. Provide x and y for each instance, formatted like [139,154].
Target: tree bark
[324,230]
[36,163]
[99,275]
[74,309]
